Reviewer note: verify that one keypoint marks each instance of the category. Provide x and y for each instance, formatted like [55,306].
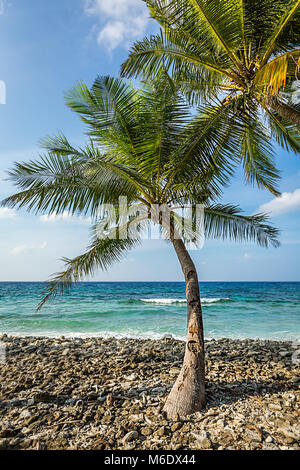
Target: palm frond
[100,254]
[226,222]
[273,76]
[218,22]
[57,183]
[168,50]
[257,157]
[292,8]
[286,134]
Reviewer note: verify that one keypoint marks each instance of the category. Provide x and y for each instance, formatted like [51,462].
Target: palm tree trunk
[284,110]
[188,392]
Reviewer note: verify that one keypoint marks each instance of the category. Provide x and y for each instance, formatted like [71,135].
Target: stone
[71,416]
[43,397]
[162,431]
[176,426]
[201,435]
[8,432]
[3,444]
[204,443]
[285,353]
[269,446]
[146,431]
[275,406]
[291,432]
[130,436]
[226,437]
[25,414]
[253,433]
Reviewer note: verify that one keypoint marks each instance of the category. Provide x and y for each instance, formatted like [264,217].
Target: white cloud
[26,248]
[122,21]
[6,213]
[287,202]
[4,4]
[65,217]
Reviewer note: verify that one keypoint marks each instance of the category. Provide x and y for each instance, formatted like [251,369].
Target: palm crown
[241,51]
[143,144]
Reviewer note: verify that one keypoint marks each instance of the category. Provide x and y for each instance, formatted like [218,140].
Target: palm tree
[143,145]
[244,53]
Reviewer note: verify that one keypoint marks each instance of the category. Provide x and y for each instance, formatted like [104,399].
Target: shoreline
[61,393]
[148,336]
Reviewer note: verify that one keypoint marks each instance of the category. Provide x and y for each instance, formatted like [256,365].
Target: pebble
[130,436]
[98,393]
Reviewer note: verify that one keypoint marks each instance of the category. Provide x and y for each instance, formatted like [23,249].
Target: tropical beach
[163,197]
[74,391]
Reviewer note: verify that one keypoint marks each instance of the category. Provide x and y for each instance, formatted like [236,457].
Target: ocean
[266,310]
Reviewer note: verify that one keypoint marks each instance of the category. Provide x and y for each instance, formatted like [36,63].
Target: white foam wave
[214,300]
[179,301]
[129,334]
[164,301]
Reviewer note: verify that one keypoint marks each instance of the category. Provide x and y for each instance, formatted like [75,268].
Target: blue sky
[45,47]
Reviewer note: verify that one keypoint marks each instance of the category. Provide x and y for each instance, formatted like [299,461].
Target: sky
[45,47]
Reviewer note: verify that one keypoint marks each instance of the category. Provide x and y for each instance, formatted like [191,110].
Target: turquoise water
[151,310]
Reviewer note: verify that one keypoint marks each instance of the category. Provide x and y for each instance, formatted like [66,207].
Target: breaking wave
[181,301]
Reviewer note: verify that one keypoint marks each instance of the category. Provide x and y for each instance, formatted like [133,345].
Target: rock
[25,414]
[101,399]
[12,403]
[130,436]
[109,399]
[3,444]
[201,435]
[291,432]
[176,426]
[126,385]
[275,406]
[162,431]
[70,401]
[159,389]
[30,420]
[43,397]
[147,431]
[86,407]
[253,433]
[221,423]
[285,353]
[269,446]
[136,418]
[29,349]
[226,437]
[8,432]
[204,443]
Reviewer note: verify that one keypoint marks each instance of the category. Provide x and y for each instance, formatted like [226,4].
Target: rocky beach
[96,393]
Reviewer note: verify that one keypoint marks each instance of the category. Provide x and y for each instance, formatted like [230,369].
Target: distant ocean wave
[181,301]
